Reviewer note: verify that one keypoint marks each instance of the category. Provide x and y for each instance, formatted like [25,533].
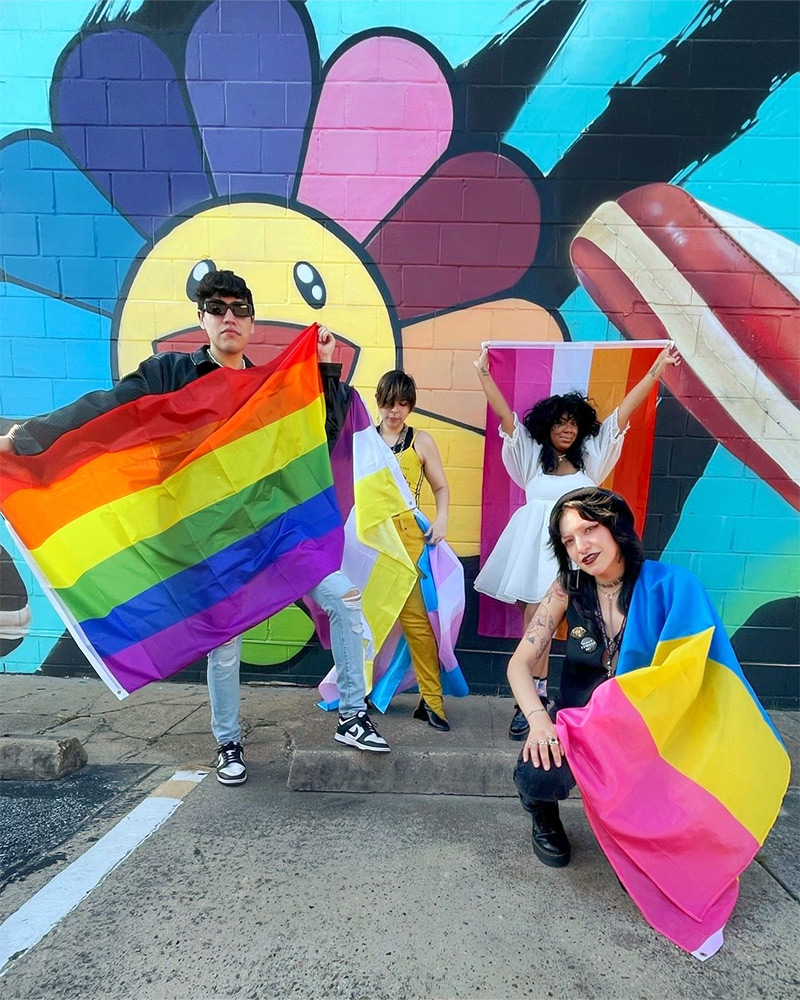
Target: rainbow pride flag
[171,524]
[528,372]
[681,771]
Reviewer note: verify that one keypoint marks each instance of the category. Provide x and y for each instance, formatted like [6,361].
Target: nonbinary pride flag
[526,373]
[370,489]
[681,770]
[171,524]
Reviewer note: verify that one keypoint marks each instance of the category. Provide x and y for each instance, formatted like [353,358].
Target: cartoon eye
[196,275]
[310,284]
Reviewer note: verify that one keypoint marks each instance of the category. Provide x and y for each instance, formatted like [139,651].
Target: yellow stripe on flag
[85,542]
[376,501]
[706,724]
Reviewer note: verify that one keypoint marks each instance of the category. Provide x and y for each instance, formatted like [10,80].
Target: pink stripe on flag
[672,921]
[448,575]
[677,849]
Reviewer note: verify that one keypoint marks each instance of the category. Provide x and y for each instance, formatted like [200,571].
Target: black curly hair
[593,503]
[545,414]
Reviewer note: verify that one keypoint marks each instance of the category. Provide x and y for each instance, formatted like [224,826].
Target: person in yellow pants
[418,457]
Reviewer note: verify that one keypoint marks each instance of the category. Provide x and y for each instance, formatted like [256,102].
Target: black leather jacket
[158,374]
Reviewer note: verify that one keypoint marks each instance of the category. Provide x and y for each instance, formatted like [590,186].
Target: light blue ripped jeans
[348,653]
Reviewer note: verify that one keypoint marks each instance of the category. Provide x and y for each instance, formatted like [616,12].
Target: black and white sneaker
[230,764]
[359,732]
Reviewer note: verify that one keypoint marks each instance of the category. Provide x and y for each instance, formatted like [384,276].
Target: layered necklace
[609,591]
[397,447]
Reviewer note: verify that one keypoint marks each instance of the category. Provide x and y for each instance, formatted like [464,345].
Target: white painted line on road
[40,914]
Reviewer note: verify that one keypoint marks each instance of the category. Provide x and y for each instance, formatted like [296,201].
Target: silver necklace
[612,645]
[397,447]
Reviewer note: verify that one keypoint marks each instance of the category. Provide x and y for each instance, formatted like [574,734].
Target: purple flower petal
[118,108]
[249,73]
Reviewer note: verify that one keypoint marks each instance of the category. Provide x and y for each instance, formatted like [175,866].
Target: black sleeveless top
[583,668]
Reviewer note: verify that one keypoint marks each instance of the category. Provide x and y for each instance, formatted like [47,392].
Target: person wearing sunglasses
[227,316]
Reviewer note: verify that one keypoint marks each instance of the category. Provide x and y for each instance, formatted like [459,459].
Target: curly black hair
[605,507]
[543,416]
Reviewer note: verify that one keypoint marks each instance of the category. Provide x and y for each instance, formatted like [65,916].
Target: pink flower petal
[384,117]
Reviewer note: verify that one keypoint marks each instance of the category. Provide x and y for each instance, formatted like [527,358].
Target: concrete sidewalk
[169,724]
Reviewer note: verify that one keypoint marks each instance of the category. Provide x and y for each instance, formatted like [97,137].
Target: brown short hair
[396,385]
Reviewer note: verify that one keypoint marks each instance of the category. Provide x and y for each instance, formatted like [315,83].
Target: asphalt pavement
[425,888]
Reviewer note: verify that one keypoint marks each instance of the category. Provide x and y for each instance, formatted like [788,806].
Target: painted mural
[422,178]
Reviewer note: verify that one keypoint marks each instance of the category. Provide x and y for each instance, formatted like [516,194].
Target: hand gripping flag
[171,524]
[681,771]
[526,373]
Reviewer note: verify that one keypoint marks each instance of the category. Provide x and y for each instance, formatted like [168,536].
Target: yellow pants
[416,624]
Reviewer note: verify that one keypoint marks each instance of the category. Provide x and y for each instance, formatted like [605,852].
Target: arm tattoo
[542,626]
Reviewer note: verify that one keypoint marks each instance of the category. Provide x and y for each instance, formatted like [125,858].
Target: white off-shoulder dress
[522,566]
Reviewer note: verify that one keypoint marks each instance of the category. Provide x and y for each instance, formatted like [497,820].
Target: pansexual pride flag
[167,526]
[681,771]
[526,373]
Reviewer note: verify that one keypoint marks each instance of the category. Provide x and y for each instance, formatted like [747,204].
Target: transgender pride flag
[526,373]
[171,524]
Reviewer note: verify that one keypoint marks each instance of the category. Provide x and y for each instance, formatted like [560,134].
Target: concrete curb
[418,772]
[39,758]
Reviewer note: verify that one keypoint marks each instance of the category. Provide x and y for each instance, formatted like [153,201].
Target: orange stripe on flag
[111,476]
[608,378]
[631,476]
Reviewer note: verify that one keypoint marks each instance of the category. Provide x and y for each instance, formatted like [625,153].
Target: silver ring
[542,743]
[552,740]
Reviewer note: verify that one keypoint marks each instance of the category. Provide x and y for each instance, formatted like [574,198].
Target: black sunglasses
[216,307]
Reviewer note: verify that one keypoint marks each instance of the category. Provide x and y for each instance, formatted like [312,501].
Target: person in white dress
[558,446]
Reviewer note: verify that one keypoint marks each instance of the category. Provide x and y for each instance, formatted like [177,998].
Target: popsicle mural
[422,179]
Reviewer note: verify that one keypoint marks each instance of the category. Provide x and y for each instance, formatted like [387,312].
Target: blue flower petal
[59,233]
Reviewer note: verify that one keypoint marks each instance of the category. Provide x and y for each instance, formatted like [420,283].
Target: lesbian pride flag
[681,771]
[171,524]
[526,373]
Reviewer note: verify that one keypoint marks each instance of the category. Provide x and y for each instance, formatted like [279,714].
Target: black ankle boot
[550,844]
[426,713]
[520,726]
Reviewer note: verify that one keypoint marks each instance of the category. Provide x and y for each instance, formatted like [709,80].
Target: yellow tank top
[411,466]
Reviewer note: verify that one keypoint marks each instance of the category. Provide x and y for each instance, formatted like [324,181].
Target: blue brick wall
[106,148]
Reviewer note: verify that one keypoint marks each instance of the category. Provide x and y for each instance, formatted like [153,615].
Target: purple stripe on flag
[342,458]
[282,583]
